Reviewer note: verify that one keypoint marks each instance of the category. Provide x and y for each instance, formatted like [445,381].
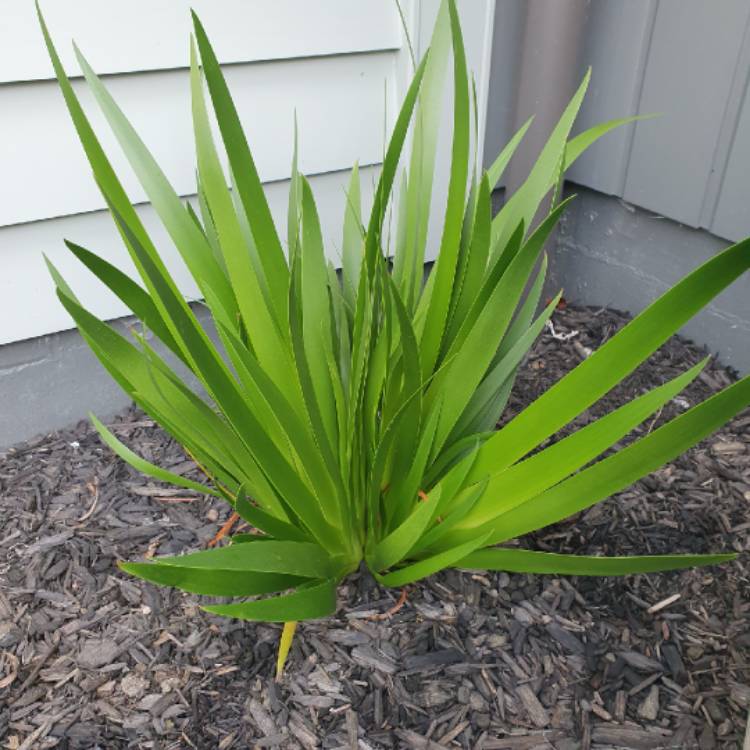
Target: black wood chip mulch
[90,658]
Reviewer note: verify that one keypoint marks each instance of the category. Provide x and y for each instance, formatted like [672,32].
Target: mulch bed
[90,658]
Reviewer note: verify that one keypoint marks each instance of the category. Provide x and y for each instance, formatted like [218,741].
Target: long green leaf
[189,240]
[523,204]
[388,172]
[497,168]
[268,556]
[395,547]
[445,266]
[526,561]
[257,310]
[613,474]
[596,375]
[303,604]
[248,182]
[266,522]
[317,326]
[430,565]
[353,241]
[417,193]
[105,176]
[131,294]
[546,468]
[474,353]
[146,467]
[213,582]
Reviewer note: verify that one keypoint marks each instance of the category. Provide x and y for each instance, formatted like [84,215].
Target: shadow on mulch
[90,658]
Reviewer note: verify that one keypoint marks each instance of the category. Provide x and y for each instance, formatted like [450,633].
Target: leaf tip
[285,643]
[197,25]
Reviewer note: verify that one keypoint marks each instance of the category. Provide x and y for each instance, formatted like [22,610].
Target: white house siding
[335,61]
[141,35]
[342,65]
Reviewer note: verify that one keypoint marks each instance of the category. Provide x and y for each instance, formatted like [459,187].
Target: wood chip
[664,603]
[640,662]
[649,707]
[621,704]
[631,738]
[534,709]
[369,656]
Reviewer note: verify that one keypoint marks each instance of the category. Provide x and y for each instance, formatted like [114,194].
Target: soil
[91,658]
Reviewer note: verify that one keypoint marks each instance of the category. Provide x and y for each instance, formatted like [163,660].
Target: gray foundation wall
[613,254]
[54,381]
[51,382]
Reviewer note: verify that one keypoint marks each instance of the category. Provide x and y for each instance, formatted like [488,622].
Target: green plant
[351,418]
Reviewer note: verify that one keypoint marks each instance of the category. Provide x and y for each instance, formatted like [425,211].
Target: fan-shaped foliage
[350,417]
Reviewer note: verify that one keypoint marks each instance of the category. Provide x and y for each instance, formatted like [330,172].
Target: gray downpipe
[548,75]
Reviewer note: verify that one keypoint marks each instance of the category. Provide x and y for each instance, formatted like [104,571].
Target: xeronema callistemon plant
[351,418]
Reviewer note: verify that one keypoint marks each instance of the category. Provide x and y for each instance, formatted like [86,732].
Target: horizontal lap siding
[28,306]
[339,103]
[339,67]
[121,37]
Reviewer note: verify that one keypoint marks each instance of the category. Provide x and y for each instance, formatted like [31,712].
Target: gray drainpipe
[548,76]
